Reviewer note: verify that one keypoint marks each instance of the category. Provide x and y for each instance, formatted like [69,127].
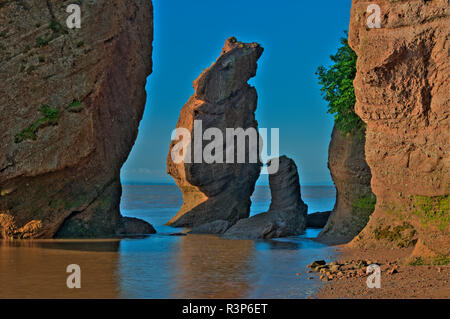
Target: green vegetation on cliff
[432,210]
[50,118]
[365,203]
[75,107]
[440,260]
[337,88]
[57,30]
[362,208]
[401,235]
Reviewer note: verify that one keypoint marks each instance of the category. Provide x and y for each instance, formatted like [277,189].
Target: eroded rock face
[287,212]
[355,201]
[70,104]
[402,94]
[223,99]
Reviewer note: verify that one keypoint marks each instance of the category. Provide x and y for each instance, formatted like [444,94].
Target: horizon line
[149,183]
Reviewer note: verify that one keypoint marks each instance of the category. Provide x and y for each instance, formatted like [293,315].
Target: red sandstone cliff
[402,92]
[70,104]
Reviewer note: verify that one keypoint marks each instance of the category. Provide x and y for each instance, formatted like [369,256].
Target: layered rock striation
[70,104]
[402,94]
[287,212]
[223,99]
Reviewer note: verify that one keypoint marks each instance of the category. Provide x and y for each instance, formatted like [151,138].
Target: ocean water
[165,266]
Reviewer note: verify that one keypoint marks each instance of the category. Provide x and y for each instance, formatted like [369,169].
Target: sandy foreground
[398,278]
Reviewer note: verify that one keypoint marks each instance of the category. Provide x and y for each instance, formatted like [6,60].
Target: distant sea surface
[165,266]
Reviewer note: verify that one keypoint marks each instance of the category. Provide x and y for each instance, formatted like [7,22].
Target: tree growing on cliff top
[337,89]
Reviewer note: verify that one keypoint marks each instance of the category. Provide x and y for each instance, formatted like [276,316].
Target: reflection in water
[161,266]
[276,244]
[278,261]
[212,267]
[37,269]
[111,245]
[145,267]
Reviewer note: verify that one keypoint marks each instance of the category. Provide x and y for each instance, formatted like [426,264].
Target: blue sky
[297,36]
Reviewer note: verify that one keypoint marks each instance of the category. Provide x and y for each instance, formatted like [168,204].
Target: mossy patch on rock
[366,203]
[75,107]
[362,208]
[50,118]
[440,260]
[57,30]
[41,42]
[401,235]
[432,210]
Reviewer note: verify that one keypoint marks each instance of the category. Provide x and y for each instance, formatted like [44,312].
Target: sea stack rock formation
[355,201]
[402,93]
[223,99]
[287,212]
[317,220]
[70,104]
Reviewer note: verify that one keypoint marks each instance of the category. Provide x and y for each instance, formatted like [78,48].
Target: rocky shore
[400,277]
